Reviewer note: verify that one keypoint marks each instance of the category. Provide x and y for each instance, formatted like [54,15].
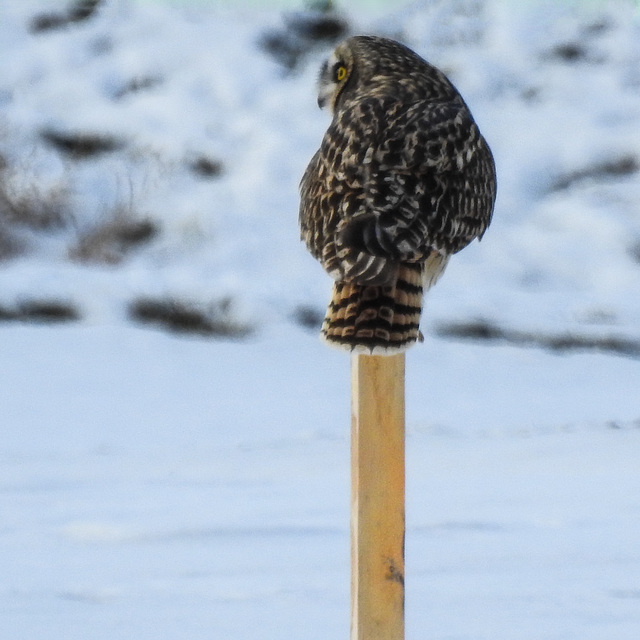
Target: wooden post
[377,497]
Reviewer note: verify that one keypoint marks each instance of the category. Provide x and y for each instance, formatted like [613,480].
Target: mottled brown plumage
[402,180]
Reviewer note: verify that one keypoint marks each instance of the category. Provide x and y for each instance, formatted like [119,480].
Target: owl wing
[428,182]
[390,183]
[331,193]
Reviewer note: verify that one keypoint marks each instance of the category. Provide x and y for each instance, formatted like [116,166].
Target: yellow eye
[341,73]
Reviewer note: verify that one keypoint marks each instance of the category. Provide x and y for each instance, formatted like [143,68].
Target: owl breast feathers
[402,180]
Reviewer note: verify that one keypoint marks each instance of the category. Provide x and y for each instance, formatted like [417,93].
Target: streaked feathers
[402,180]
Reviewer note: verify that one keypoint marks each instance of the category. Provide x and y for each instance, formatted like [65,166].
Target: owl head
[335,73]
[363,66]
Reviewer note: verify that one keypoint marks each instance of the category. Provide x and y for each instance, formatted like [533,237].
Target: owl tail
[381,320]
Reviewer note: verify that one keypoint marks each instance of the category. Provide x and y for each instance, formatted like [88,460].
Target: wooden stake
[377,497]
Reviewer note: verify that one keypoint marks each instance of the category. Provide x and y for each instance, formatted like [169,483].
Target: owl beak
[322,100]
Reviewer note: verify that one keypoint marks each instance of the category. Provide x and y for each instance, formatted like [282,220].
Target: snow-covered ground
[186,486]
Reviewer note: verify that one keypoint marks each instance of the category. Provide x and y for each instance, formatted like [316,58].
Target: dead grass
[79,11]
[634,251]
[33,207]
[179,316]
[487,331]
[137,85]
[206,167]
[30,208]
[81,145]
[308,317]
[615,168]
[302,32]
[26,204]
[10,245]
[40,311]
[113,239]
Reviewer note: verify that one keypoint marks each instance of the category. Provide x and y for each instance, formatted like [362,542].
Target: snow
[146,501]
[155,485]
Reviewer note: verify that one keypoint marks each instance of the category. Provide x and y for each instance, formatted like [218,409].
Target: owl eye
[340,72]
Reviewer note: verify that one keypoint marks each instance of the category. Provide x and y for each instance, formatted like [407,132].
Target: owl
[403,179]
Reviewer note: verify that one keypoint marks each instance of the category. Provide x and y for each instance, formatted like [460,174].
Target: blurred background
[173,436]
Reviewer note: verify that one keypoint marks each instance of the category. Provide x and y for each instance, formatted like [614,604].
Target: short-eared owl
[402,180]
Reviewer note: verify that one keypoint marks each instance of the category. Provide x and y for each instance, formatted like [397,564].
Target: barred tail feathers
[381,320]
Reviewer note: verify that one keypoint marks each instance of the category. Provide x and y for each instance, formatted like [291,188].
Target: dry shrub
[79,11]
[486,331]
[6,314]
[206,167]
[179,316]
[10,245]
[41,311]
[27,203]
[137,85]
[34,206]
[303,32]
[634,251]
[81,146]
[621,167]
[48,311]
[113,239]
[308,317]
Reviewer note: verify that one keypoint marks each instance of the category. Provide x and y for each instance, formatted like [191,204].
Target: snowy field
[194,484]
